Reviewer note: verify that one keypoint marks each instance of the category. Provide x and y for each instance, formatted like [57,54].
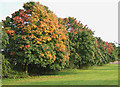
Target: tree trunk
[26,68]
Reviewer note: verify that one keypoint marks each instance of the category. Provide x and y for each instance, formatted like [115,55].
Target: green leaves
[35,36]
[84,50]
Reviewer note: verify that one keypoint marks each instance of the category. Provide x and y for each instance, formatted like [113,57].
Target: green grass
[98,75]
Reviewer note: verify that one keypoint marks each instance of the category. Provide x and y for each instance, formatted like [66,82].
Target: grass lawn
[97,75]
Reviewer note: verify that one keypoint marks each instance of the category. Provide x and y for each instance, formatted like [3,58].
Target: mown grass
[97,75]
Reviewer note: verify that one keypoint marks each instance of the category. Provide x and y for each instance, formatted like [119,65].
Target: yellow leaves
[44,28]
[49,55]
[32,36]
[42,55]
[34,41]
[43,41]
[64,37]
[59,39]
[43,38]
[44,25]
[36,16]
[65,57]
[38,42]
[61,42]
[25,39]
[34,26]
[56,36]
[37,39]
[63,46]
[45,20]
[48,38]
[60,47]
[38,32]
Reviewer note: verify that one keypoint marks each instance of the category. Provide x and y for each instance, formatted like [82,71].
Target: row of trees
[35,40]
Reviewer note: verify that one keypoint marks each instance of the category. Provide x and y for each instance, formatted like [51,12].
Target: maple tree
[36,37]
[84,47]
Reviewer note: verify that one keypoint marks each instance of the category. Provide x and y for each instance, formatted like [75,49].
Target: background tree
[85,49]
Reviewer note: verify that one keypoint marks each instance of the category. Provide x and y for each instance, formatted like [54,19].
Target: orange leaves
[65,57]
[107,46]
[16,18]
[28,11]
[27,46]
[60,47]
[57,45]
[54,57]
[11,32]
[48,38]
[34,26]
[49,55]
[81,30]
[38,42]
[44,29]
[41,55]
[43,48]
[36,31]
[37,39]
[111,46]
[106,43]
[20,47]
[21,13]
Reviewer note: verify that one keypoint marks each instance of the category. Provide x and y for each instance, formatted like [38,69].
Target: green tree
[35,37]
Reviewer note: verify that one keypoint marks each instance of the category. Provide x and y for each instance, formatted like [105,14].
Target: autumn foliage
[108,50]
[37,37]
[85,49]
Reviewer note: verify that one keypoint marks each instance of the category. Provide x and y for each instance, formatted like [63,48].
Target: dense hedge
[35,40]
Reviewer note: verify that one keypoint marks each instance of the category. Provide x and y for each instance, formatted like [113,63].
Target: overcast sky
[100,15]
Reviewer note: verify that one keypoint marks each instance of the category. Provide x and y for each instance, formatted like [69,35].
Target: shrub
[8,72]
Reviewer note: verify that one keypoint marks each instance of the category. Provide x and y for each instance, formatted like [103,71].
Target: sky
[100,16]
